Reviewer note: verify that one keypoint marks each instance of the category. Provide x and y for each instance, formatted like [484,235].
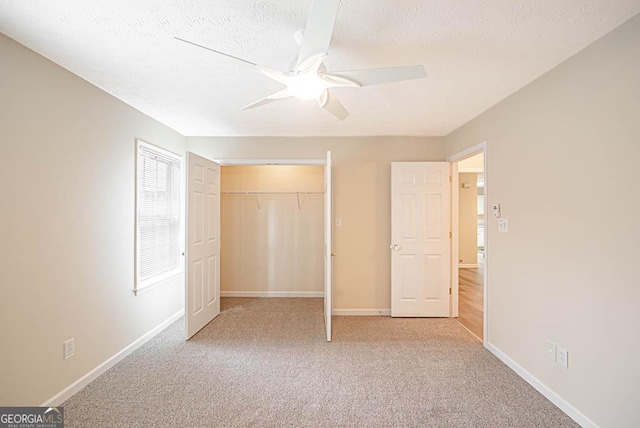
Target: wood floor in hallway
[471,296]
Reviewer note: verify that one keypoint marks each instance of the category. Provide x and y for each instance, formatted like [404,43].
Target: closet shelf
[272,193]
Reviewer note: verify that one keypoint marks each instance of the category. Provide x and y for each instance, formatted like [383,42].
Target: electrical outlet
[503,225]
[68,348]
[563,357]
[551,351]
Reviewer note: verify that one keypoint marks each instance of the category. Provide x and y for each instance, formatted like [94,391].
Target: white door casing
[420,239]
[328,247]
[203,243]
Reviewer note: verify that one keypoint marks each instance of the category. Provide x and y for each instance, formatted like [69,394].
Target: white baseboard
[85,380]
[361,312]
[272,294]
[560,402]
[468,266]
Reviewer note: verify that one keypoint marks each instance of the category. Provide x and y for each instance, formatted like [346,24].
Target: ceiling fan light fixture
[307,87]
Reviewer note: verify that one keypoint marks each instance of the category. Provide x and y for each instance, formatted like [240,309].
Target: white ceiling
[476,53]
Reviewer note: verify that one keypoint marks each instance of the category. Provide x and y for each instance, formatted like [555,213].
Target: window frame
[143,286]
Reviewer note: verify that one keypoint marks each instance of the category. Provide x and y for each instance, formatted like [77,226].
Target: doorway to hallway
[469,246]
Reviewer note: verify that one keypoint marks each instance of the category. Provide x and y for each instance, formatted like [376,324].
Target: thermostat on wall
[496,210]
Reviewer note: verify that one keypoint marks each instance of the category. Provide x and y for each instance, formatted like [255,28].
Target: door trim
[454,159]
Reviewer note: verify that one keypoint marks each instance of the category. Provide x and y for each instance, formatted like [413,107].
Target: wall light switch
[338,221]
[503,225]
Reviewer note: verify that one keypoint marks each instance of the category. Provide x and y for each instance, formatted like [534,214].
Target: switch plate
[503,225]
[551,350]
[338,221]
[563,357]
[68,348]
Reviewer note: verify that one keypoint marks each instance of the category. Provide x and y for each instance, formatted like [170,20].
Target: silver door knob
[395,247]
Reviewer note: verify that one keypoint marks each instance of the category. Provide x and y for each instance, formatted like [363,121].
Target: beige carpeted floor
[265,363]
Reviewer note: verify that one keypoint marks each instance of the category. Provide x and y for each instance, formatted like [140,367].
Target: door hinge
[450,235]
[449,290]
[450,179]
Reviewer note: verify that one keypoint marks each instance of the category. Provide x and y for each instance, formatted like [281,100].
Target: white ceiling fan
[310,80]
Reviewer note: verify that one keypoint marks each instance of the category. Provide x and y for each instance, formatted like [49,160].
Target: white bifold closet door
[272,245]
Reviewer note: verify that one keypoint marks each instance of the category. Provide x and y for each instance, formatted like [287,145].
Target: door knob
[395,247]
[333,254]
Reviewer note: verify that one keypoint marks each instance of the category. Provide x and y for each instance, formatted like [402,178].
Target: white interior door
[203,243]
[421,240]
[328,248]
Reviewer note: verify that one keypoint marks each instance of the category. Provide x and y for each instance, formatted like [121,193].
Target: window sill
[157,283]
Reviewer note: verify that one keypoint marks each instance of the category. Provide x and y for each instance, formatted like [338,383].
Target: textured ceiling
[476,53]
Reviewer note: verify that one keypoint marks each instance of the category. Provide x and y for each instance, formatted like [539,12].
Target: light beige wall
[362,198]
[272,178]
[468,219]
[66,251]
[272,243]
[562,161]
[472,164]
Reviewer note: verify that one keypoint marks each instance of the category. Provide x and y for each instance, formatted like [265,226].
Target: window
[158,218]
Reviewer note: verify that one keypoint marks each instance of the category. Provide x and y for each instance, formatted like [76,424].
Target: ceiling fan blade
[218,52]
[376,76]
[271,98]
[317,34]
[330,103]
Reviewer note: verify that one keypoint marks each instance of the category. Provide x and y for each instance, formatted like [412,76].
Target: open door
[328,247]
[420,239]
[203,243]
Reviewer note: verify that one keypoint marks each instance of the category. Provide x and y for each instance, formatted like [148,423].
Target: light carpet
[265,363]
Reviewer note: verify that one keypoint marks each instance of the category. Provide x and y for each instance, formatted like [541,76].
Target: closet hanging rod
[272,193]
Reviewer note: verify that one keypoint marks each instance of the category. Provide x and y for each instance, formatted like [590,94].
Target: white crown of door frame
[454,159]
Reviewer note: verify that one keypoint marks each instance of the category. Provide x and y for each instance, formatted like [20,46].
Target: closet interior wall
[272,230]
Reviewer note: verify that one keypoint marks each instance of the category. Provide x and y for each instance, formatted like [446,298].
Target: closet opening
[272,231]
[259,228]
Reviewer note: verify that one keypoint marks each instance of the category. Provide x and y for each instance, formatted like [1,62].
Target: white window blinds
[158,225]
